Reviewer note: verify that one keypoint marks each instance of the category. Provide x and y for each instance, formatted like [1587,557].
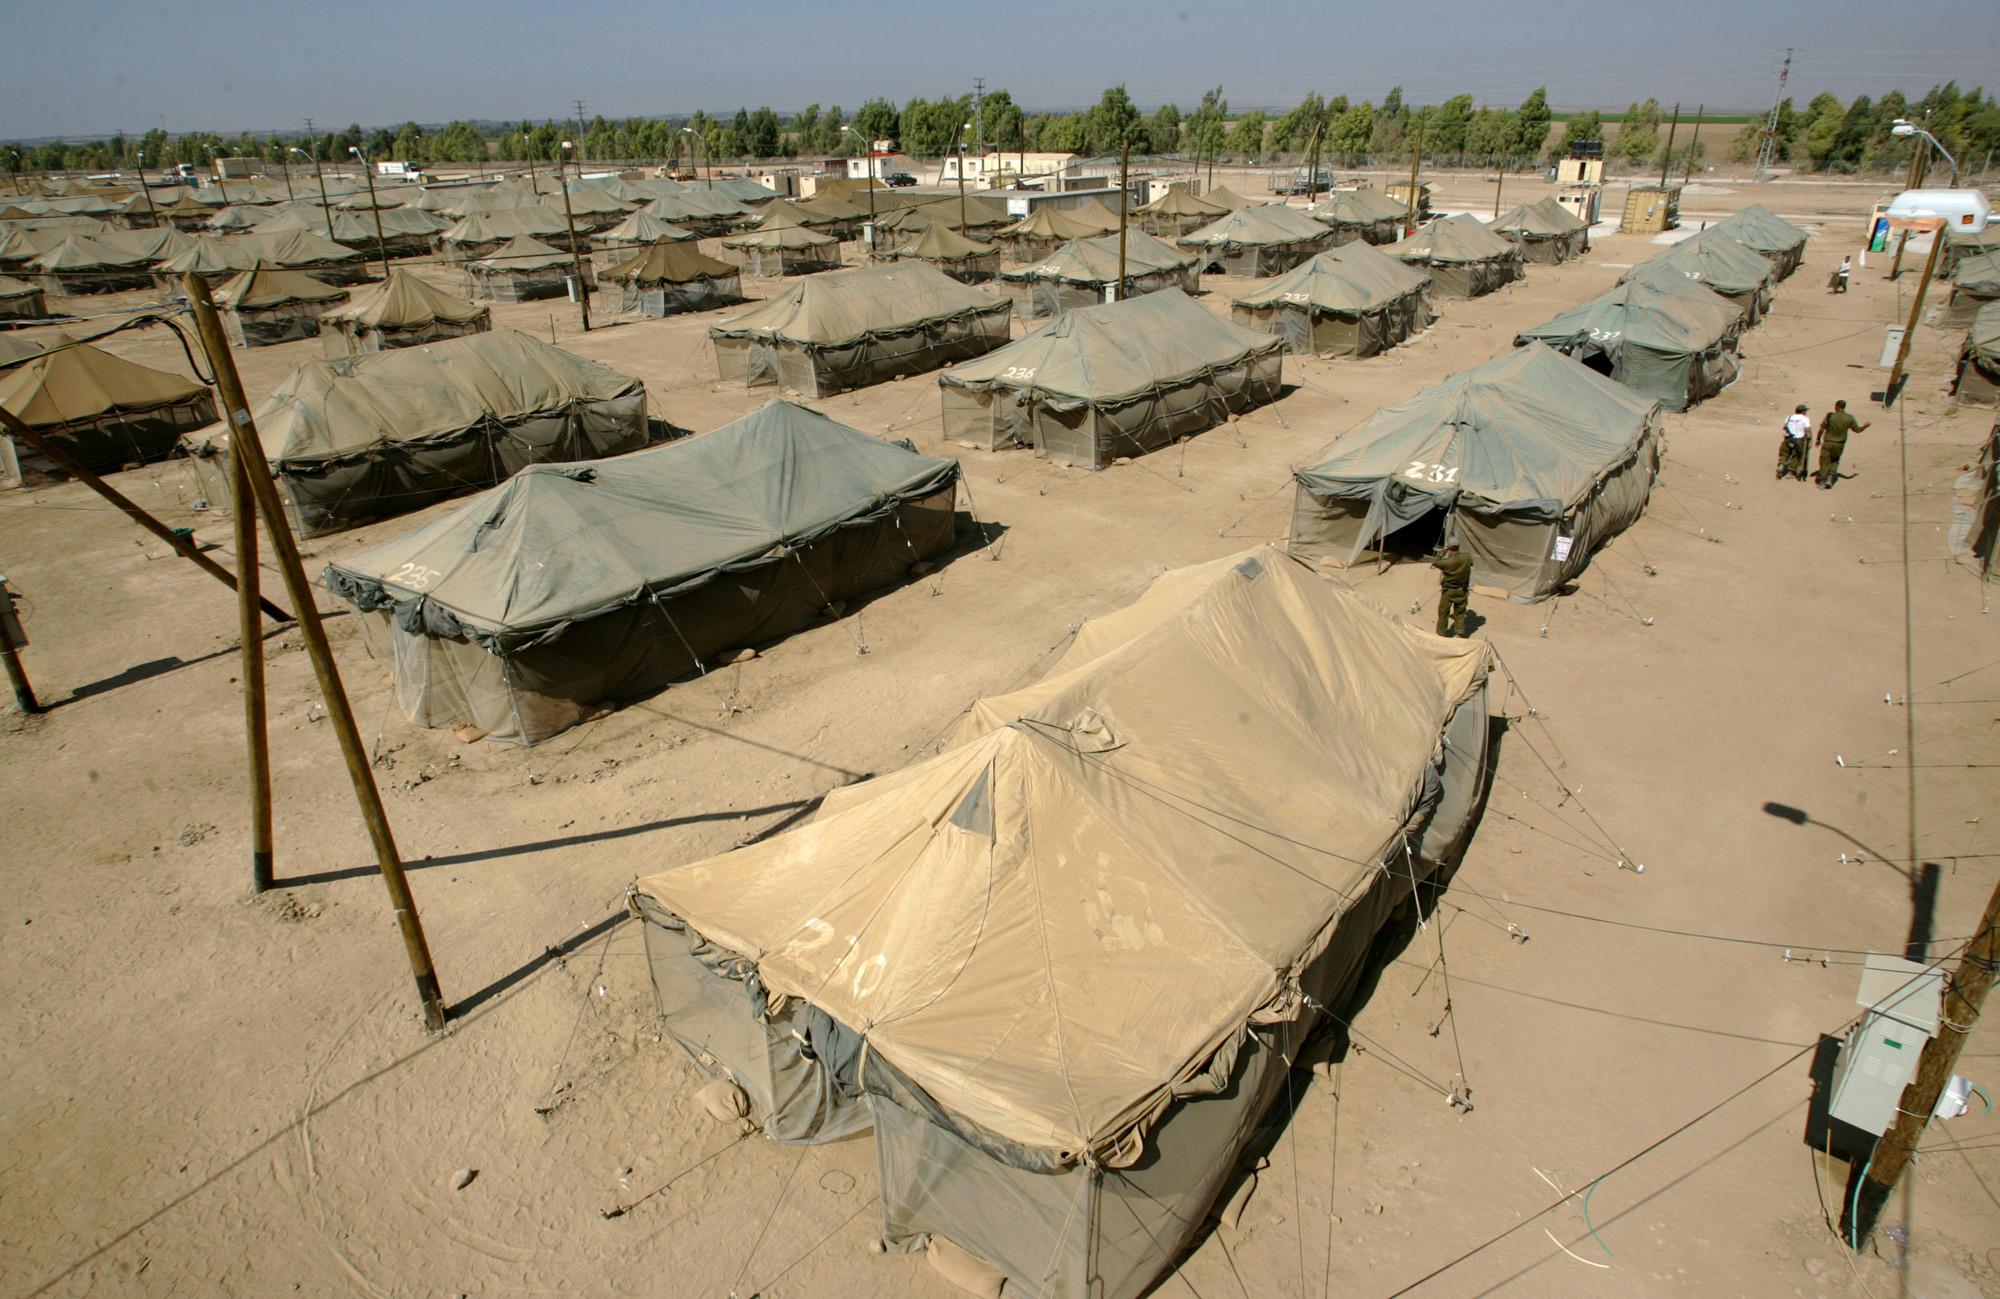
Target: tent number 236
[414,576]
[1424,473]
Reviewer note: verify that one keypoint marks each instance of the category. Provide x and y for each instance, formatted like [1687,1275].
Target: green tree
[1113,121]
[1445,137]
[1531,125]
[1584,128]
[1004,123]
[1351,133]
[876,120]
[1296,129]
[762,137]
[1247,136]
[1639,132]
[1163,132]
[1489,136]
[1205,125]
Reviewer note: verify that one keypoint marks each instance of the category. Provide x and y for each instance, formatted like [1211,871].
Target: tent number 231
[414,576]
[1424,473]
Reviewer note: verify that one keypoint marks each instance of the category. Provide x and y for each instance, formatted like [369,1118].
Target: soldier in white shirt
[1792,448]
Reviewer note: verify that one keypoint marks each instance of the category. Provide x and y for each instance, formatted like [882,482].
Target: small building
[525,270]
[401,311]
[824,334]
[672,277]
[1354,300]
[1464,258]
[1399,194]
[104,411]
[1085,273]
[1257,241]
[267,304]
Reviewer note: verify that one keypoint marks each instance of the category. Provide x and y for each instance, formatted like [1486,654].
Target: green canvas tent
[1175,213]
[373,436]
[479,233]
[523,270]
[1265,240]
[1767,234]
[1065,967]
[1979,359]
[267,304]
[1367,215]
[1529,462]
[525,609]
[637,231]
[1974,286]
[782,245]
[1084,273]
[1674,344]
[1719,263]
[965,260]
[213,257]
[1097,383]
[1354,300]
[80,264]
[1039,233]
[401,311]
[105,411]
[1547,232]
[706,212]
[1974,536]
[318,256]
[669,278]
[1957,245]
[824,334]
[1465,258]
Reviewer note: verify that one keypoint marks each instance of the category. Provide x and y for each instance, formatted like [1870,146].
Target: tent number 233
[1424,473]
[414,576]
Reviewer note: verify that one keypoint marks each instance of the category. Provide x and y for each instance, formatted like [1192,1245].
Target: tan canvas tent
[1529,462]
[639,230]
[669,278]
[570,585]
[1266,240]
[525,270]
[1975,285]
[1548,233]
[401,311]
[373,436]
[1978,378]
[1354,300]
[266,305]
[1097,383]
[965,260]
[21,301]
[318,256]
[1464,258]
[1366,215]
[479,233]
[105,411]
[1175,213]
[80,264]
[828,333]
[1064,966]
[1084,273]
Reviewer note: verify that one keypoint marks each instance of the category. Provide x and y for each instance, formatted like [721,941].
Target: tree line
[1826,136]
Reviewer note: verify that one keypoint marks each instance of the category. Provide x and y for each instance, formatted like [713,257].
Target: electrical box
[1879,1057]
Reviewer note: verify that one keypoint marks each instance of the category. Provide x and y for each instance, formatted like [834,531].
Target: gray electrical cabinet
[1879,1057]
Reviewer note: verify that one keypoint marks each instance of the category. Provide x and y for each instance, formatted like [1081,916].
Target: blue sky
[88,67]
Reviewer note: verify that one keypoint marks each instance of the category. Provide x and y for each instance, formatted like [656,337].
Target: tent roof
[831,207]
[521,253]
[1543,218]
[1049,223]
[1116,352]
[557,544]
[85,382]
[82,253]
[404,302]
[335,409]
[1530,426]
[696,205]
[1451,239]
[1358,207]
[213,255]
[13,348]
[1223,196]
[1053,927]
[1257,227]
[644,227]
[10,288]
[1178,202]
[238,216]
[588,200]
[151,244]
[266,286]
[500,224]
[1761,230]
[940,243]
[744,190]
[1714,259]
[782,236]
[301,248]
[788,216]
[1983,339]
[1979,273]
[1096,215]
[838,307]
[1095,261]
[1350,279]
[1666,318]
[670,262]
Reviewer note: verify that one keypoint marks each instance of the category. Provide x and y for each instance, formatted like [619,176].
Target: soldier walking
[1833,434]
[1795,447]
[1454,590]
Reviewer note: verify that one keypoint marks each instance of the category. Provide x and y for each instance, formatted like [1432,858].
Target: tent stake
[265,489]
[182,546]
[251,632]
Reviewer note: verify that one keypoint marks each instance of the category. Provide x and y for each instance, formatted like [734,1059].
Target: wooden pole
[1964,995]
[1694,143]
[1667,156]
[183,546]
[1894,388]
[1416,160]
[1500,186]
[1124,202]
[575,257]
[250,631]
[381,244]
[1919,168]
[10,653]
[265,489]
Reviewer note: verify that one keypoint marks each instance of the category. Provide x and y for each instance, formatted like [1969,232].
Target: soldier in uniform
[1833,433]
[1454,590]
[1795,445]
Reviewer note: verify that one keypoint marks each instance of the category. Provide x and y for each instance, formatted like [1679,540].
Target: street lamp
[868,153]
[1904,127]
[367,174]
[702,155]
[575,257]
[325,204]
[140,157]
[961,179]
[221,180]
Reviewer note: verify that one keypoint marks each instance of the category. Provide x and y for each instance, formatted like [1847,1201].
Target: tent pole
[251,633]
[24,694]
[183,546]
[335,695]
[1416,161]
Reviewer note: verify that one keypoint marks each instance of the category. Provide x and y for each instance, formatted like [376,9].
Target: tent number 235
[1424,473]
[414,576]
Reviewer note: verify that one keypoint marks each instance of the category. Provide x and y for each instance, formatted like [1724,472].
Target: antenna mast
[1767,152]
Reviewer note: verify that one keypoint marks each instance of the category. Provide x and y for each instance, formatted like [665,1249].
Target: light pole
[575,257]
[325,205]
[702,155]
[151,211]
[961,178]
[221,180]
[285,166]
[868,153]
[1904,127]
[367,174]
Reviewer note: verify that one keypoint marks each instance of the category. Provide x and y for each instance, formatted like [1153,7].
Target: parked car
[899,179]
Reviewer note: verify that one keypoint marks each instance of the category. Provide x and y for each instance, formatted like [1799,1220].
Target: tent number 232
[414,576]
[1424,473]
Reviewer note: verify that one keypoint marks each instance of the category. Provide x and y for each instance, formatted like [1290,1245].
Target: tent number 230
[414,576]
[1424,473]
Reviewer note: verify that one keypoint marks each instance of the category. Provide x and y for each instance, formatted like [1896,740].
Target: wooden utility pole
[182,546]
[1920,167]
[1416,160]
[250,631]
[1667,155]
[1894,388]
[1124,202]
[10,654]
[381,243]
[575,257]
[265,489]
[1500,186]
[1694,142]
[1964,995]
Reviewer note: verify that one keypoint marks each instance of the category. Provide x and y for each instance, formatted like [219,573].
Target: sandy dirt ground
[206,1093]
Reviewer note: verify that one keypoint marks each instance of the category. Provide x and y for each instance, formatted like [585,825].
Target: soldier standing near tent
[1454,590]
[1796,445]
[1833,433]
